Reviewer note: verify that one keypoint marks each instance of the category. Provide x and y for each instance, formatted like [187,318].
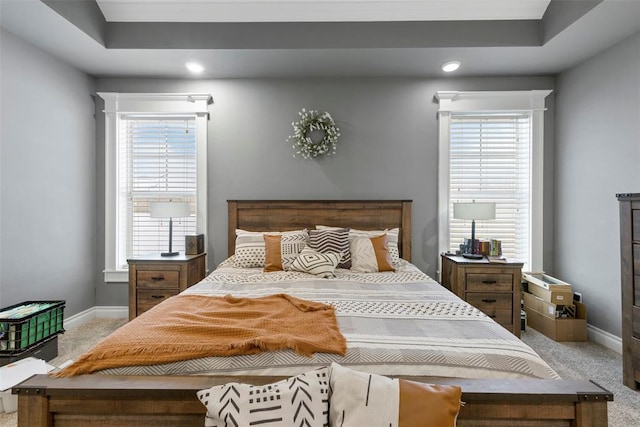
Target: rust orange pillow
[370,254]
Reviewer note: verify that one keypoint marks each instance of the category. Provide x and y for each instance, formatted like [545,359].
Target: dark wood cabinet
[630,287]
[494,288]
[154,278]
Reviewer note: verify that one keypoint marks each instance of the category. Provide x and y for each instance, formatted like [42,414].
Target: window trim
[152,103]
[532,101]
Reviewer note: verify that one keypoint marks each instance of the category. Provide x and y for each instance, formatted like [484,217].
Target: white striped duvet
[395,323]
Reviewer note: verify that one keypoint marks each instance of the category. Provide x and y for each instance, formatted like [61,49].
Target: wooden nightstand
[494,288]
[154,278]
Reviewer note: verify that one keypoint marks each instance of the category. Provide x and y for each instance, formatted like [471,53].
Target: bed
[512,386]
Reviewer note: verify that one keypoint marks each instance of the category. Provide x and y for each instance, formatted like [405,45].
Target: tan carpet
[584,361]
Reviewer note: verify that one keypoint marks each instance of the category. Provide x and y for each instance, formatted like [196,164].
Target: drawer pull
[157,278]
[489,282]
[488,300]
[157,296]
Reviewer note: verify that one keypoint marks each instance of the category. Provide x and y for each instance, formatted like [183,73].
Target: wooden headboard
[283,215]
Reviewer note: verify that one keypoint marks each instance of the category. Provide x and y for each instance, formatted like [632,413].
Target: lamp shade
[169,209]
[473,210]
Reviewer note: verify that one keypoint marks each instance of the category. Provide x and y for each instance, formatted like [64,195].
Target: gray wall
[388,148]
[52,164]
[597,155]
[47,179]
[52,154]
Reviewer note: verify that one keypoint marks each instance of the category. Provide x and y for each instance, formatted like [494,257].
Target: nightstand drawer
[497,306]
[487,300]
[148,298]
[154,278]
[489,282]
[158,279]
[494,288]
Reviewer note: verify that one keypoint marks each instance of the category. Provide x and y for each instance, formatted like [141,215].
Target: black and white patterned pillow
[299,400]
[332,240]
[282,249]
[250,247]
[249,250]
[392,238]
[314,262]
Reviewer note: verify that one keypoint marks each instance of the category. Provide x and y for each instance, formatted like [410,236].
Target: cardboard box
[15,373]
[549,288]
[548,309]
[558,329]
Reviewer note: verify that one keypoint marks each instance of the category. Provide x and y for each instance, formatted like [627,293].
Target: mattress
[396,323]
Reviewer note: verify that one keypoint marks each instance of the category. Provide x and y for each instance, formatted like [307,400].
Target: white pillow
[317,263]
[362,399]
[299,400]
[370,254]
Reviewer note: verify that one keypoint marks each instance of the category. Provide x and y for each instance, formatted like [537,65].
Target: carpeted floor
[583,361]
[594,362]
[72,344]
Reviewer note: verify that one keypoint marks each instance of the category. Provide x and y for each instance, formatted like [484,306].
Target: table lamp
[474,211]
[169,210]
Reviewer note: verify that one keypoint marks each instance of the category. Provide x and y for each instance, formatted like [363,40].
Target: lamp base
[472,256]
[169,253]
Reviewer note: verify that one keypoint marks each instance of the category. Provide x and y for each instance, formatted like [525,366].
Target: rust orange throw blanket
[193,326]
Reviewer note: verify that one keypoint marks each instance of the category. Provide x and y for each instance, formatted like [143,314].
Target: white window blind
[155,149]
[490,161]
[156,162]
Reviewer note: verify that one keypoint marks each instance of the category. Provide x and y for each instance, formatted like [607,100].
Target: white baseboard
[604,338]
[103,312]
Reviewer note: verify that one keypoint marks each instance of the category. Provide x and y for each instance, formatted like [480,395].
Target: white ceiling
[314,10]
[601,27]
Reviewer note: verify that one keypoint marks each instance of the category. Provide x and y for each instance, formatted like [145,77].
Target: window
[491,150]
[155,151]
[490,161]
[157,162]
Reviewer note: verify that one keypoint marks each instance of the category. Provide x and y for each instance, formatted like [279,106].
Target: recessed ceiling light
[450,66]
[194,67]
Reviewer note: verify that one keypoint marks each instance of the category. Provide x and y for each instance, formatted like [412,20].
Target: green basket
[27,324]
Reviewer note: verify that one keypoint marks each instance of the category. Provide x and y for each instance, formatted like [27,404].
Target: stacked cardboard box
[551,310]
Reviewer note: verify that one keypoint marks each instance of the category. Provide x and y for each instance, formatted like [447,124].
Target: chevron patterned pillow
[299,400]
[314,262]
[332,240]
[392,238]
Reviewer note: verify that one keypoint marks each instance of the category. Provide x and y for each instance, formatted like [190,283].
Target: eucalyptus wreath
[310,121]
